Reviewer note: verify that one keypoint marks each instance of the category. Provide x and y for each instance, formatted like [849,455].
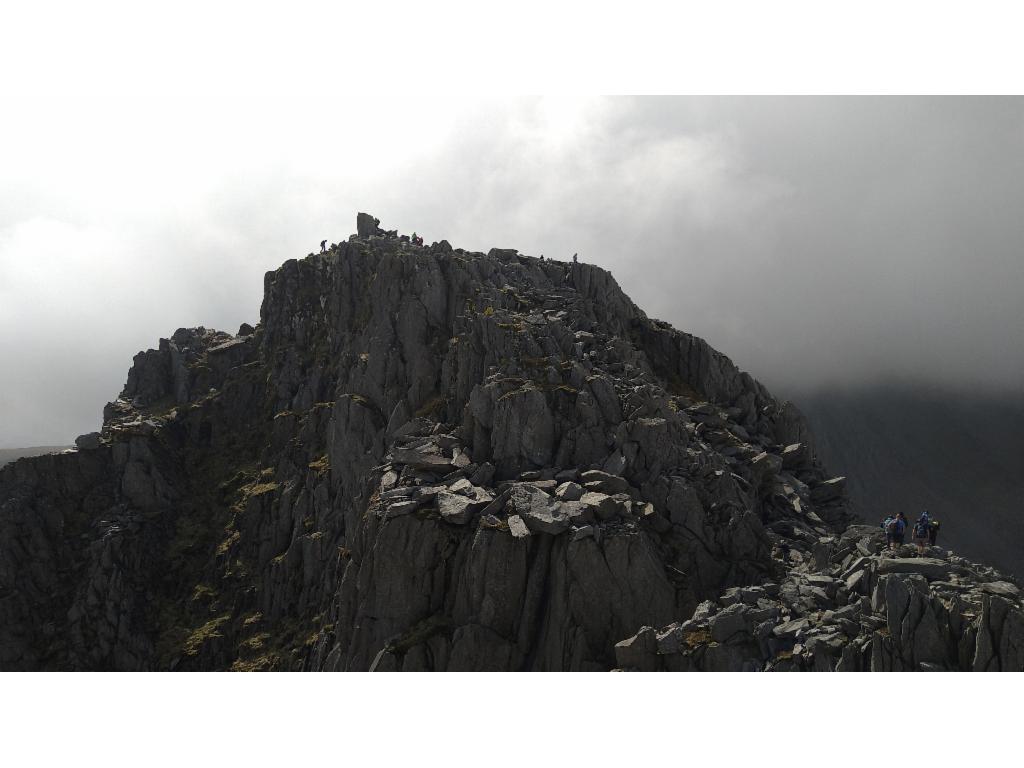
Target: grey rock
[583,532]
[796,456]
[518,527]
[367,225]
[88,442]
[400,508]
[483,475]
[602,482]
[577,513]
[569,491]
[548,486]
[766,466]
[792,628]
[705,610]
[616,464]
[649,514]
[455,508]
[670,639]
[604,507]
[639,651]
[728,622]
[1001,588]
[540,512]
[931,568]
[422,460]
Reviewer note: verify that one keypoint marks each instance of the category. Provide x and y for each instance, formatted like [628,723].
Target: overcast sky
[815,241]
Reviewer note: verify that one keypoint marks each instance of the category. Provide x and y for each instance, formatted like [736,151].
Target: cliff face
[428,459]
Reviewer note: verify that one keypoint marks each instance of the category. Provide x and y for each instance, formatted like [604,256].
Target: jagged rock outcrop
[424,458]
[853,607]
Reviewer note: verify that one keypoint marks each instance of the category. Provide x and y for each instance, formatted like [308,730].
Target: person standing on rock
[933,530]
[899,530]
[887,528]
[323,246]
[921,534]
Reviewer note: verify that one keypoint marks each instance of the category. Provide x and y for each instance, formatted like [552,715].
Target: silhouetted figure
[323,246]
[574,257]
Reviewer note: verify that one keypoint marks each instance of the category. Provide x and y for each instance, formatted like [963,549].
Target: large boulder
[88,442]
[604,506]
[455,508]
[603,482]
[638,652]
[931,568]
[540,512]
[367,225]
[430,462]
[728,622]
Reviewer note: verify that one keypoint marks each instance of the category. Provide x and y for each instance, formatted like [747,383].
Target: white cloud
[811,240]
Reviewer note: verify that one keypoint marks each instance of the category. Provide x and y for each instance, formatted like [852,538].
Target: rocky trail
[424,458]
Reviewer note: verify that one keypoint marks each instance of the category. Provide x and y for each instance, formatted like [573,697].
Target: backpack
[898,526]
[887,524]
[921,529]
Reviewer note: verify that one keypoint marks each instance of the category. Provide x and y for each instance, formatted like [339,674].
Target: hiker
[887,529]
[899,530]
[574,257]
[933,530]
[895,528]
[542,257]
[323,246]
[921,533]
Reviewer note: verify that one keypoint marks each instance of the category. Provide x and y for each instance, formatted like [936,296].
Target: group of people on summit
[416,239]
[925,531]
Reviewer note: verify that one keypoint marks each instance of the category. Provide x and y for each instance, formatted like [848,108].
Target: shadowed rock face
[428,459]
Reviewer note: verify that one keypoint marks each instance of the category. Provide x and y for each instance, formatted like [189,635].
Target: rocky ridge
[424,458]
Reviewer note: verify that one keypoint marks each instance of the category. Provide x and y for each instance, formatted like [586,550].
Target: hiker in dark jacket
[899,530]
[323,246]
[933,531]
[921,533]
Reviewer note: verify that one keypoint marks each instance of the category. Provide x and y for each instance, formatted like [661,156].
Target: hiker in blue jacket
[898,529]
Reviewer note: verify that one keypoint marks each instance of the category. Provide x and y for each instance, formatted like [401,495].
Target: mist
[819,242]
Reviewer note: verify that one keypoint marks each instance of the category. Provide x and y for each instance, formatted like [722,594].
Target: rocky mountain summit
[424,458]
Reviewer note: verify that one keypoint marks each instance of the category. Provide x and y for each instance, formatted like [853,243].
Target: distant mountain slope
[13,454]
[960,456]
